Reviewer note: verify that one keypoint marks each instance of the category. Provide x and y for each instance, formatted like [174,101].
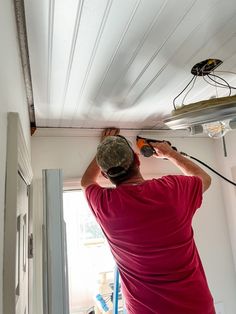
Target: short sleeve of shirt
[186,191]
[93,194]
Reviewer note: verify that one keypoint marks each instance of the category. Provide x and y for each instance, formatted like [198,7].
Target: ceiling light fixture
[216,129]
[215,116]
[200,116]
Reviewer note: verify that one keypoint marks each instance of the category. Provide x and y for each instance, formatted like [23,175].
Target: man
[148,226]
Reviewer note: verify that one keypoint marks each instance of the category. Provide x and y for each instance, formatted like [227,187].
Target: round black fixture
[205,67]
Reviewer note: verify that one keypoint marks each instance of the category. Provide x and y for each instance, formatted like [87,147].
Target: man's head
[116,158]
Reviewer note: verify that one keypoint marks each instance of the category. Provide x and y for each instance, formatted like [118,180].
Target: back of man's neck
[133,181]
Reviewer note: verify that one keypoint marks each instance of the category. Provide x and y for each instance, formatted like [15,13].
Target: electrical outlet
[219,307]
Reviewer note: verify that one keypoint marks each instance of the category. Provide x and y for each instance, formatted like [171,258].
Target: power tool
[146,149]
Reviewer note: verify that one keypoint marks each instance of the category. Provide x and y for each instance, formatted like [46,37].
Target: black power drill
[146,149]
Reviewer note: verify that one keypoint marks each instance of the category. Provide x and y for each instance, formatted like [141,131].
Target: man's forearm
[91,174]
[189,168]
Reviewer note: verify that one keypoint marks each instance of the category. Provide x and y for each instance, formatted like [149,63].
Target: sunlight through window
[90,263]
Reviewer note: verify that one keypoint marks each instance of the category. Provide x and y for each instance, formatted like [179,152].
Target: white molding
[71,184]
[24,160]
[17,160]
[75,183]
[55,271]
[80,132]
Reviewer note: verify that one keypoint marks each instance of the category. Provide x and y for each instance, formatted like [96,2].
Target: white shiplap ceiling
[99,63]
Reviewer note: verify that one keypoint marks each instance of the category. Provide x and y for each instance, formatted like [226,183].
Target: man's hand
[92,172]
[109,132]
[162,149]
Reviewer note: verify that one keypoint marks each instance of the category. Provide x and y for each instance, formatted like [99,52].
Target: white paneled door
[21,280]
[15,259]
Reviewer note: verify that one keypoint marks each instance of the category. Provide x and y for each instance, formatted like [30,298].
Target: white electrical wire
[194,81]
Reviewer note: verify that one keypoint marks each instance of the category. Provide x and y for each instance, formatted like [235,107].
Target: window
[90,262]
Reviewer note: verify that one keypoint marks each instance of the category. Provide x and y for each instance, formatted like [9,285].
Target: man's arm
[92,172]
[188,167]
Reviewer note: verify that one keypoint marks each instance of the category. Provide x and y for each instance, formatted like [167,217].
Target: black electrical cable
[212,77]
[183,91]
[203,163]
[149,141]
[220,86]
[209,76]
[194,81]
[228,85]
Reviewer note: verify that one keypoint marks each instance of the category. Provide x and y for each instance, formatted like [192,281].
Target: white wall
[12,98]
[227,167]
[73,154]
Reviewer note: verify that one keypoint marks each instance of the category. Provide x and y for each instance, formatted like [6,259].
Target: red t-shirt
[148,227]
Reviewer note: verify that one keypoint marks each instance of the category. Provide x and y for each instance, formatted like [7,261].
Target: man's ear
[104,174]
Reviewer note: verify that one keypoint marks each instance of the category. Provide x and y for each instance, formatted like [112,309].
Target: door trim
[18,159]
